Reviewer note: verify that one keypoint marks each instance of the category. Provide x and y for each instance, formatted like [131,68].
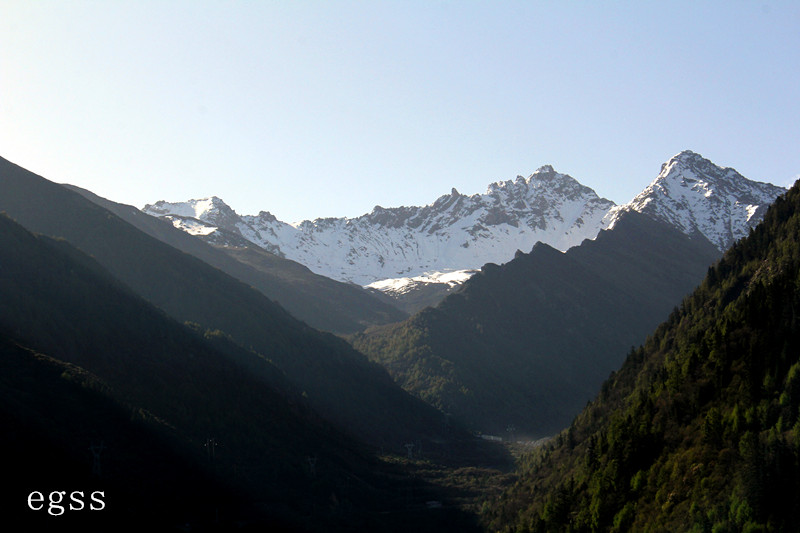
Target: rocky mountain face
[404,252]
[456,232]
[700,198]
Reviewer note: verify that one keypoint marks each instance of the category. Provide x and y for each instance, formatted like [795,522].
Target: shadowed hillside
[526,344]
[319,301]
[174,408]
[339,382]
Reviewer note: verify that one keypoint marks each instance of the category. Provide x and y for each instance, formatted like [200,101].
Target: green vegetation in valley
[700,428]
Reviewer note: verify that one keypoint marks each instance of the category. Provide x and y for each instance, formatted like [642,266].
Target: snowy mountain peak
[699,197]
[687,155]
[545,169]
[201,209]
[458,232]
[197,216]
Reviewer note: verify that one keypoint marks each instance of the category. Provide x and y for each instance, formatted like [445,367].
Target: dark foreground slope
[528,343]
[192,430]
[340,383]
[113,356]
[321,302]
[51,416]
[699,429]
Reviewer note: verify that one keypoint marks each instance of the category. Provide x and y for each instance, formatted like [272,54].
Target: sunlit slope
[699,430]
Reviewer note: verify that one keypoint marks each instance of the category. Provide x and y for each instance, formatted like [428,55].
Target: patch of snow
[191,226]
[404,284]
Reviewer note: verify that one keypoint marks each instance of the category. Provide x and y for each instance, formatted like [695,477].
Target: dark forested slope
[194,429]
[339,382]
[117,366]
[699,429]
[54,414]
[528,343]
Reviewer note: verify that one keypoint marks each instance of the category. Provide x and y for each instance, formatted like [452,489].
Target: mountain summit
[698,197]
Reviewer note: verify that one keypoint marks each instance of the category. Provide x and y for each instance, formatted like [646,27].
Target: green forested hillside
[699,429]
[528,343]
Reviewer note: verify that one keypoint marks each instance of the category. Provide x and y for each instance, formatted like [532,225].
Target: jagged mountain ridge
[456,232]
[459,232]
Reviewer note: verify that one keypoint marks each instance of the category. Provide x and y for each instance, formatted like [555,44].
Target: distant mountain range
[455,232]
[527,343]
[404,252]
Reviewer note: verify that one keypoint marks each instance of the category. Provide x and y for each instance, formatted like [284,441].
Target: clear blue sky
[310,109]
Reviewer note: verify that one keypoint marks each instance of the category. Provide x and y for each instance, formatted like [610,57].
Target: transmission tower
[96,451]
[211,448]
[511,431]
[312,465]
[410,448]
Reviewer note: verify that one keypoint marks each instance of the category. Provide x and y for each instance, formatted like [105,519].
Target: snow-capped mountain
[461,233]
[699,197]
[456,232]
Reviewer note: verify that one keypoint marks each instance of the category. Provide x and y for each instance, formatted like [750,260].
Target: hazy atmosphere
[575,309]
[312,109]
